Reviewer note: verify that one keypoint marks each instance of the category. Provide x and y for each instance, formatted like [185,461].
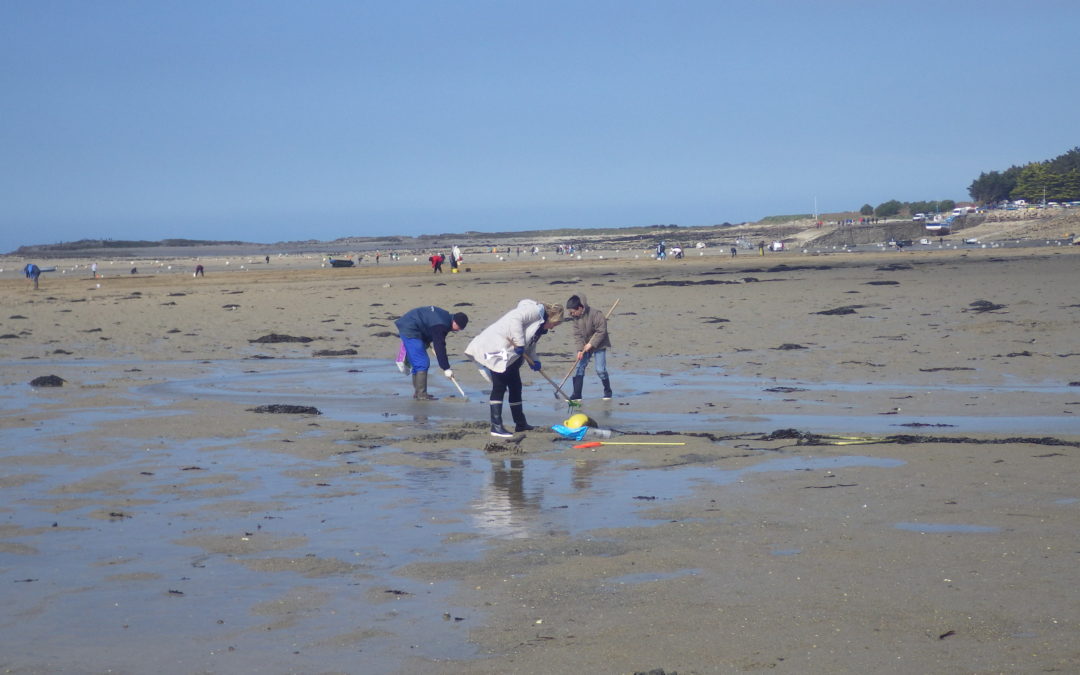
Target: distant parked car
[919,216]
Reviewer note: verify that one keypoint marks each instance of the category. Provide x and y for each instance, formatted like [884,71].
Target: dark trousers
[509,381]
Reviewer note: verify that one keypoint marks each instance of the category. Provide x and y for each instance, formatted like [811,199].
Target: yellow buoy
[577,421]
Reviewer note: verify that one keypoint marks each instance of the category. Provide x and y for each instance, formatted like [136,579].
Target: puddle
[945,528]
[176,545]
[368,390]
[208,551]
[526,499]
[634,579]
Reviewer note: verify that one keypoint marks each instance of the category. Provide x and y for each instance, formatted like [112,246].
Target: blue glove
[519,350]
[535,365]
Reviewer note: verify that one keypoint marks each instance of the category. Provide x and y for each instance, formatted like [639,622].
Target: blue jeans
[601,363]
[417,351]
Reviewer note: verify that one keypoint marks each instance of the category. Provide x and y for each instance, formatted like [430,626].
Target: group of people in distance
[502,348]
[437,260]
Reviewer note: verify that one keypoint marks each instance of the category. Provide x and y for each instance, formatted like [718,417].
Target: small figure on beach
[734,251]
[436,261]
[32,272]
[591,334]
[93,269]
[420,328]
[199,271]
[502,347]
[660,251]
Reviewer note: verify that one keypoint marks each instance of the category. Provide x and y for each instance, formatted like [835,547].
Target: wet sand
[924,520]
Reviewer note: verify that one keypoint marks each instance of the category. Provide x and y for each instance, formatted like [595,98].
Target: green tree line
[1055,180]
[893,208]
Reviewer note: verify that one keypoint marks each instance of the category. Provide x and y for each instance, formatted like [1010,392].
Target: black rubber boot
[419,383]
[497,428]
[579,382]
[519,418]
[607,387]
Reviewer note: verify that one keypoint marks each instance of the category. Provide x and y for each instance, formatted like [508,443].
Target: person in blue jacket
[425,326]
[32,272]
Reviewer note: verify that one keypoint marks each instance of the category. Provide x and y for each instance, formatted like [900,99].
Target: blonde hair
[553,313]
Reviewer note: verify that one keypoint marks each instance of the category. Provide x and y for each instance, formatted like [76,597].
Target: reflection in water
[508,476]
[508,506]
[504,507]
[583,473]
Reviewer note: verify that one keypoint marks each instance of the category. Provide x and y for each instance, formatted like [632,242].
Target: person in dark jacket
[591,332]
[32,272]
[425,326]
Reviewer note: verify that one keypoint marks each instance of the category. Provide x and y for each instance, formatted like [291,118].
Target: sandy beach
[876,469]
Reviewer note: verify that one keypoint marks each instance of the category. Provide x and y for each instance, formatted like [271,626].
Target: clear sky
[275,120]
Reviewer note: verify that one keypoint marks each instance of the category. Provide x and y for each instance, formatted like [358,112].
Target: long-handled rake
[558,389]
[574,367]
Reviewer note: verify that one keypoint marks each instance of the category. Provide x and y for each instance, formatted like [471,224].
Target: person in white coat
[499,351]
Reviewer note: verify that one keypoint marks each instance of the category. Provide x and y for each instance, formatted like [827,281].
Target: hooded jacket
[494,346]
[591,327]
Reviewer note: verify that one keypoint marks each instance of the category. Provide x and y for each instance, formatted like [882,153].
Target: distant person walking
[93,269]
[734,251]
[660,251]
[32,272]
[591,334]
[425,326]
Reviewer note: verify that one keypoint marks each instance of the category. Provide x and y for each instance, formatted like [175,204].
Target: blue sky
[270,121]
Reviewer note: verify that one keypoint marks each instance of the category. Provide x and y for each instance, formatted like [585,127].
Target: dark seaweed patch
[704,282]
[839,311]
[47,381]
[276,337]
[807,438]
[980,306]
[282,409]
[335,352]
